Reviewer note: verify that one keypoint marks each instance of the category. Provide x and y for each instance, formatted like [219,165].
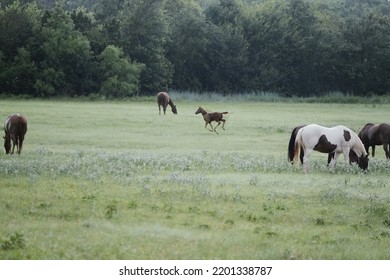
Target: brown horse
[15,127]
[372,135]
[163,99]
[209,117]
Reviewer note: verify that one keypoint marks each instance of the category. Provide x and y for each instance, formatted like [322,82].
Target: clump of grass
[14,241]
[111,210]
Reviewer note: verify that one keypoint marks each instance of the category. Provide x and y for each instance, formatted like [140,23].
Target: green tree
[227,48]
[120,77]
[365,52]
[144,33]
[18,23]
[187,46]
[65,57]
[19,76]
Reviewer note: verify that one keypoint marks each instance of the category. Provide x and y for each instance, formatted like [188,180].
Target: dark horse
[372,135]
[352,155]
[209,117]
[15,127]
[163,99]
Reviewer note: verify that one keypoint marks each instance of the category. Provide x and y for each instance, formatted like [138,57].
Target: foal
[209,117]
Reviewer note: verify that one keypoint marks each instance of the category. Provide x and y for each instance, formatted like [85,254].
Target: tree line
[122,48]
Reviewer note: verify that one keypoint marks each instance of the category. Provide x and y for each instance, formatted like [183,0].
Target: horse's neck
[359,148]
[171,103]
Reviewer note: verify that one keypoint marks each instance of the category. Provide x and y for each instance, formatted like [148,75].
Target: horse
[15,128]
[290,151]
[163,99]
[372,135]
[337,140]
[209,117]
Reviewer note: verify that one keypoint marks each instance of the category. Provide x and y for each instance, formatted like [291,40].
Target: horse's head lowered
[7,144]
[174,110]
[363,162]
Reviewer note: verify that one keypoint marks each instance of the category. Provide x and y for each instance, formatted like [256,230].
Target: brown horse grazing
[163,99]
[15,127]
[372,135]
[352,155]
[209,117]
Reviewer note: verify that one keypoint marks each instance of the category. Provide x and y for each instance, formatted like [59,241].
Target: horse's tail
[224,113]
[298,146]
[291,144]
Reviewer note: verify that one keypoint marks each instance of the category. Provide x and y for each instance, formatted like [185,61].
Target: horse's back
[162,97]
[384,131]
[384,127]
[315,135]
[16,124]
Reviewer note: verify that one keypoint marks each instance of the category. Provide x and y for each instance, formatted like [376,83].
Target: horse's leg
[346,156]
[223,124]
[212,129]
[305,160]
[330,157]
[386,149]
[217,126]
[13,146]
[367,147]
[333,163]
[20,144]
[373,150]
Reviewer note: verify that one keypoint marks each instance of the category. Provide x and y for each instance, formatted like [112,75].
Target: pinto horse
[372,135]
[163,99]
[290,151]
[337,140]
[209,117]
[15,127]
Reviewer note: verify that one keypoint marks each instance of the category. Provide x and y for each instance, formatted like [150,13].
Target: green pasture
[116,180]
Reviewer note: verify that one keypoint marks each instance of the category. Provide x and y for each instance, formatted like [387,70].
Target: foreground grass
[118,181]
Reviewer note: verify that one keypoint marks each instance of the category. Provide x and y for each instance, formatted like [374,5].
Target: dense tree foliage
[121,48]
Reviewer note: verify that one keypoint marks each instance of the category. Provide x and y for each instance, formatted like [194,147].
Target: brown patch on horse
[324,146]
[210,117]
[347,135]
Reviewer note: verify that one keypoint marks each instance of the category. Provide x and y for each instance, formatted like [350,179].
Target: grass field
[115,180]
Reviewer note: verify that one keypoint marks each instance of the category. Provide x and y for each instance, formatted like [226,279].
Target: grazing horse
[352,155]
[209,117]
[337,140]
[163,99]
[372,135]
[15,127]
